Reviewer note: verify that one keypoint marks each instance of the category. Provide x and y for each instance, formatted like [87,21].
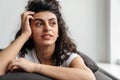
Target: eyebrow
[38,19]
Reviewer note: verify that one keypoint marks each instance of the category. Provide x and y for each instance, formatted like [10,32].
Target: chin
[48,43]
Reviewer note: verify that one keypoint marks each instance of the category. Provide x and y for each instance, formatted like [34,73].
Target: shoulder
[72,56]
[77,62]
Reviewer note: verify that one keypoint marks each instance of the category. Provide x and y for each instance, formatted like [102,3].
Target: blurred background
[94,25]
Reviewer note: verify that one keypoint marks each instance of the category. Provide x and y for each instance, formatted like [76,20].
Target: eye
[52,23]
[39,24]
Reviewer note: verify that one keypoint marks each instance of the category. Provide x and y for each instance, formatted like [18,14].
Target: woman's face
[44,28]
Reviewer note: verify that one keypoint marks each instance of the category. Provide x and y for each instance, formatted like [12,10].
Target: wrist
[37,68]
[25,35]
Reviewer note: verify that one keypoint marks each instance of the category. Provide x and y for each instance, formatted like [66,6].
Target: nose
[46,27]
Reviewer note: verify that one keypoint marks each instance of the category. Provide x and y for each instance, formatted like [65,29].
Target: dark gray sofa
[21,75]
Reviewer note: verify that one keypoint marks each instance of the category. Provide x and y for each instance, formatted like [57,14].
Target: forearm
[62,73]
[10,52]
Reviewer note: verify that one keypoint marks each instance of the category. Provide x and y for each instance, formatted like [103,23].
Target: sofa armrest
[107,74]
[101,76]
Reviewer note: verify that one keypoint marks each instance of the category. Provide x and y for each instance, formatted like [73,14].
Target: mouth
[47,36]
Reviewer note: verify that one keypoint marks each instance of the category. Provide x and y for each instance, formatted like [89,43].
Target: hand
[25,21]
[21,63]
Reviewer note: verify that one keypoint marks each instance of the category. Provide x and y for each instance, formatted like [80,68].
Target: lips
[47,36]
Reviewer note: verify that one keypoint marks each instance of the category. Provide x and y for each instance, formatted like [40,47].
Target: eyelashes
[40,24]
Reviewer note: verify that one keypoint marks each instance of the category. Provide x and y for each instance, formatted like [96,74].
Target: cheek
[56,32]
[36,36]
[36,32]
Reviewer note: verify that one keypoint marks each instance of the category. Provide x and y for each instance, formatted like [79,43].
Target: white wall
[86,20]
[81,18]
[10,11]
[115,30]
[103,31]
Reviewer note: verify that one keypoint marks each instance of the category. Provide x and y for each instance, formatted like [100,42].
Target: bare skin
[44,31]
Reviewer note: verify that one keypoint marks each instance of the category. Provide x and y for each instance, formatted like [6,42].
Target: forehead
[45,15]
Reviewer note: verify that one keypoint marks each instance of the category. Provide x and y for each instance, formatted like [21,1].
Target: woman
[43,46]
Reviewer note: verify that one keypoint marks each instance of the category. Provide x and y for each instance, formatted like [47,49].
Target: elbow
[91,77]
[87,76]
[81,77]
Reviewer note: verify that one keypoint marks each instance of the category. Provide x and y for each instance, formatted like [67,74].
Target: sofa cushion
[23,76]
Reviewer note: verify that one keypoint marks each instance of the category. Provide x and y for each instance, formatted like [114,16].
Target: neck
[44,53]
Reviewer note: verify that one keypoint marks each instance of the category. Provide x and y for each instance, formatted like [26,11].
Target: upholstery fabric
[23,76]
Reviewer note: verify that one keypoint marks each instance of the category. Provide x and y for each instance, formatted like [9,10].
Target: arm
[77,70]
[13,49]
[10,52]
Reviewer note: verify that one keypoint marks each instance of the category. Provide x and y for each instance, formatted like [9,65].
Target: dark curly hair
[63,44]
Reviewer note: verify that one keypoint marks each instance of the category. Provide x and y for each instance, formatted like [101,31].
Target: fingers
[25,14]
[13,65]
[22,64]
[25,21]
